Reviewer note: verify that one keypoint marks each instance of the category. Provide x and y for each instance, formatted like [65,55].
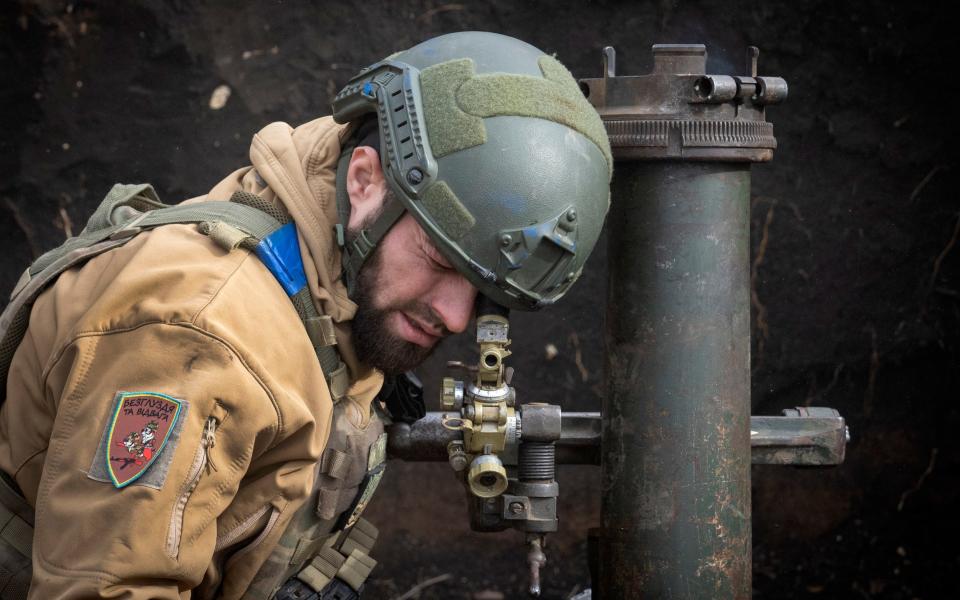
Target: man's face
[408,297]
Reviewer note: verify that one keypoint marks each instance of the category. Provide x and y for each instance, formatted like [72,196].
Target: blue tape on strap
[280,252]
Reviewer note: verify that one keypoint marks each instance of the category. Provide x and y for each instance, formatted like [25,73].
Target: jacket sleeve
[154,537]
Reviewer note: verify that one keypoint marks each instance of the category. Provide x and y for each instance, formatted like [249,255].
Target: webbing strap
[351,562]
[357,540]
[357,547]
[323,568]
[253,222]
[11,497]
[15,541]
[247,219]
[308,546]
[226,236]
[104,221]
[139,196]
[338,377]
[321,331]
[339,381]
[13,585]
[356,569]
[22,282]
[361,247]
[334,463]
[343,198]
[368,529]
[16,532]
[358,250]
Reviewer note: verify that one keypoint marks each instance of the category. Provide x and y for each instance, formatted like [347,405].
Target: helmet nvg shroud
[491,146]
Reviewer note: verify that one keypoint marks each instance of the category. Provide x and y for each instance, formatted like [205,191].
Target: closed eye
[440,264]
[436,259]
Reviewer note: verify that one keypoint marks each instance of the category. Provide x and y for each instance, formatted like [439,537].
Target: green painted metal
[675,450]
[676,416]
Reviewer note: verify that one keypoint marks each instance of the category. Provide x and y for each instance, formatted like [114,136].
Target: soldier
[192,409]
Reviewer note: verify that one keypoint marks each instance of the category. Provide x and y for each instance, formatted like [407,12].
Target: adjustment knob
[451,394]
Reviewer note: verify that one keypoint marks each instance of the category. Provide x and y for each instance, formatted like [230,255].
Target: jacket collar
[296,168]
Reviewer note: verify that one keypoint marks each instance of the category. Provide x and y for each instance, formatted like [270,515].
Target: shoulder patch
[140,427]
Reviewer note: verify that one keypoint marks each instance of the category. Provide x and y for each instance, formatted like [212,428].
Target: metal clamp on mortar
[506,460]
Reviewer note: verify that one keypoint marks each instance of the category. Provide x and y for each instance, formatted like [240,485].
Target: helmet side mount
[391,90]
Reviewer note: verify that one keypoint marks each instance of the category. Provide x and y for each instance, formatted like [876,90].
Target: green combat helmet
[493,148]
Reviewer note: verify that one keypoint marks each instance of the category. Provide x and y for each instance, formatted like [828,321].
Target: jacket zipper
[229,537]
[200,460]
[263,535]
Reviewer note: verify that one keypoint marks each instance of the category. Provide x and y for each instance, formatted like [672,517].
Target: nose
[452,301]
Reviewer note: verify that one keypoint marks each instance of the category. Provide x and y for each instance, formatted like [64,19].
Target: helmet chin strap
[355,252]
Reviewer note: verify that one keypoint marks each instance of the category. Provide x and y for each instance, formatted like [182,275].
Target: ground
[855,222]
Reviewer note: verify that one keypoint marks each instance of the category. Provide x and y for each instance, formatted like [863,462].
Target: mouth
[415,332]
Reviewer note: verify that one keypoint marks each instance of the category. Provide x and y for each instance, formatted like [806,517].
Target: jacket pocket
[227,538]
[261,537]
[201,463]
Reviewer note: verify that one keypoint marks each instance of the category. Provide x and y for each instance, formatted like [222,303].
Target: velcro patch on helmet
[449,128]
[456,100]
[447,211]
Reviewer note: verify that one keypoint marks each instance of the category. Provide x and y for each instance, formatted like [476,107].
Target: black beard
[374,343]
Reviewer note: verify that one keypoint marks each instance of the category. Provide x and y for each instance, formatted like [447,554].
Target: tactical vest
[325,548]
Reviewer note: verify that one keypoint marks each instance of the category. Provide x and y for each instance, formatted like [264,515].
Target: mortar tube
[675,451]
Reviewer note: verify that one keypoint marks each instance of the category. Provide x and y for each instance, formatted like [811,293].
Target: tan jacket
[172,313]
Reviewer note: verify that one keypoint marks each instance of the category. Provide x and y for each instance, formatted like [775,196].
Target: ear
[366,186]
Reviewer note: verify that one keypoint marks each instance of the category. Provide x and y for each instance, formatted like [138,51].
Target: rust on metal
[675,451]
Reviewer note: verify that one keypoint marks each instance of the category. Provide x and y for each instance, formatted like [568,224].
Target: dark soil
[855,227]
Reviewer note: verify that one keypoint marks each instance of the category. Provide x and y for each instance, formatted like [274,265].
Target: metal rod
[808,435]
[817,439]
[427,439]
